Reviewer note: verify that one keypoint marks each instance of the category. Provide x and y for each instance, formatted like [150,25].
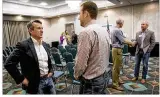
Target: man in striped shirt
[93,52]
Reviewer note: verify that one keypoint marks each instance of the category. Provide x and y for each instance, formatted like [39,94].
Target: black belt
[117,47]
[44,76]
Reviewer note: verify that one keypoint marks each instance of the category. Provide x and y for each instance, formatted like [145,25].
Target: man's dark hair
[30,26]
[91,7]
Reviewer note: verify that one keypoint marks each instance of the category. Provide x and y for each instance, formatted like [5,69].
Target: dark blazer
[25,53]
[148,42]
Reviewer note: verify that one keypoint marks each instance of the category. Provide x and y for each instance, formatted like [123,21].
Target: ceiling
[58,7]
[36,3]
[55,3]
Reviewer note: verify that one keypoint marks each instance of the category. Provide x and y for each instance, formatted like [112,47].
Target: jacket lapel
[140,38]
[46,48]
[31,45]
[146,35]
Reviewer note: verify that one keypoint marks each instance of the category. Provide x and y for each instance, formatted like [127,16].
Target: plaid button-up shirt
[92,57]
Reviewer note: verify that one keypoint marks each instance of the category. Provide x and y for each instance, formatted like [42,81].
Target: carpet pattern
[130,87]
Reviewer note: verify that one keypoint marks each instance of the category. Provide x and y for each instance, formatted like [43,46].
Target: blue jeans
[46,86]
[145,59]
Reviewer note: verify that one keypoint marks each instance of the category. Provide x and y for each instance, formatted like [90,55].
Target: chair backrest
[62,50]
[75,46]
[56,58]
[125,49]
[11,49]
[70,66]
[5,53]
[60,46]
[73,52]
[67,47]
[4,58]
[53,49]
[68,57]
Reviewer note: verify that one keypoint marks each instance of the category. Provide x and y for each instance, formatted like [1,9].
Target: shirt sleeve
[119,35]
[84,48]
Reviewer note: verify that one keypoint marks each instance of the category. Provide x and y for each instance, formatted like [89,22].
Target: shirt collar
[91,22]
[144,31]
[35,41]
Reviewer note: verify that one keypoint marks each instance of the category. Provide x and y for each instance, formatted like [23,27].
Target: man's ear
[30,30]
[86,14]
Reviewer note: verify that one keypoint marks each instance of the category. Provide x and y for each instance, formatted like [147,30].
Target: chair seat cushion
[58,74]
[76,82]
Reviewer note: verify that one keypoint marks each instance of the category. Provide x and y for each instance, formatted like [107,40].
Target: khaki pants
[117,64]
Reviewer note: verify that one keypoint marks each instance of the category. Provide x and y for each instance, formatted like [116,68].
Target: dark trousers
[145,58]
[93,86]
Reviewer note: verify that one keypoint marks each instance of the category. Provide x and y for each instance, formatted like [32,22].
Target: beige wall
[132,15]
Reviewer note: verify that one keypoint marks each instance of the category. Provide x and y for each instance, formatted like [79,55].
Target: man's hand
[50,74]
[132,44]
[25,82]
[76,77]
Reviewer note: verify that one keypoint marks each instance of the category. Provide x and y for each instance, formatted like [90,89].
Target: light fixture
[151,0]
[108,3]
[73,4]
[43,3]
[121,2]
[24,1]
[19,17]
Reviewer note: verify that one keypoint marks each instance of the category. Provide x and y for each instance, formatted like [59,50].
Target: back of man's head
[91,8]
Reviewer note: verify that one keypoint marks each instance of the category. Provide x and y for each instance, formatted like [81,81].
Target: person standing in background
[145,41]
[74,37]
[118,40]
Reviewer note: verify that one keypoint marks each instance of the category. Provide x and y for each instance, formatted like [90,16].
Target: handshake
[132,44]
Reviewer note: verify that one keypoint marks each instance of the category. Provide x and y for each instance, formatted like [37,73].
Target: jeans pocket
[119,51]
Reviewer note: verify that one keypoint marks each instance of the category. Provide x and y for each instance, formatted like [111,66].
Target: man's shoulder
[23,42]
[150,31]
[138,32]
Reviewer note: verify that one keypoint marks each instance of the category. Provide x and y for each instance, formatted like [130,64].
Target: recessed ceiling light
[121,2]
[19,17]
[151,0]
[43,3]
[24,1]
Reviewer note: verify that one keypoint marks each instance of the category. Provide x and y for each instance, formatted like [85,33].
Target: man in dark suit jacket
[34,57]
[74,37]
[145,41]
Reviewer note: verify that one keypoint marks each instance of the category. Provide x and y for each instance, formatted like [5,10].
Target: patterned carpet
[150,87]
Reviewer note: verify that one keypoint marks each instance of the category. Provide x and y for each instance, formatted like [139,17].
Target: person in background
[34,57]
[92,58]
[118,40]
[68,37]
[74,38]
[62,39]
[145,42]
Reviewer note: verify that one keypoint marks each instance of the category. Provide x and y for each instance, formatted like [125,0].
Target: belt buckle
[44,76]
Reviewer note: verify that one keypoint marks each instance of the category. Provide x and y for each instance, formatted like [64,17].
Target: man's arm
[123,39]
[152,40]
[50,72]
[84,48]
[12,61]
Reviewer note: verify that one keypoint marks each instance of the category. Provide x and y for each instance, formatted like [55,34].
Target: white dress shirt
[42,57]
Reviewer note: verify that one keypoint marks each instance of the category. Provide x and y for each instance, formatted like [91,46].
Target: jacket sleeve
[12,61]
[152,41]
[49,60]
